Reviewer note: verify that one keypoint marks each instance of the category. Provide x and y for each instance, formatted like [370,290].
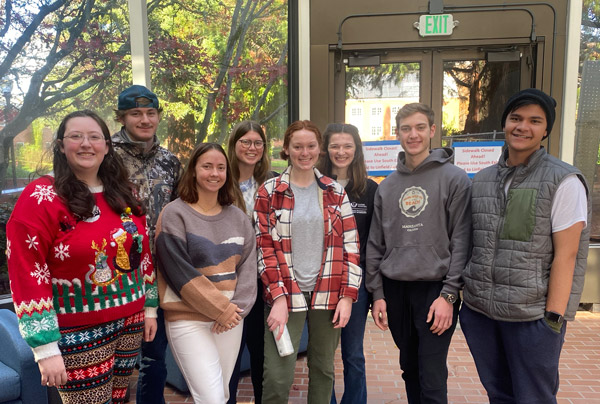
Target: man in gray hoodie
[419,243]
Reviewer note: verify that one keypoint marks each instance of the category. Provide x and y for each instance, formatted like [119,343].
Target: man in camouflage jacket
[156,172]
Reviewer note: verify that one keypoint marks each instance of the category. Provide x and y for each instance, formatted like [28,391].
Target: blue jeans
[355,380]
[153,370]
[517,362]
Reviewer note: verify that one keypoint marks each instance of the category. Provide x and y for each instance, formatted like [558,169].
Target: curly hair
[187,190]
[118,190]
[261,169]
[357,171]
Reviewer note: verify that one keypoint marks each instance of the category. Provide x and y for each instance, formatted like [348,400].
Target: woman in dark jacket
[344,161]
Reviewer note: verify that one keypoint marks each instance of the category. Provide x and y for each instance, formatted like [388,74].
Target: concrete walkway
[579,370]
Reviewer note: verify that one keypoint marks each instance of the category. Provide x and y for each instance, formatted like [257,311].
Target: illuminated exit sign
[435,24]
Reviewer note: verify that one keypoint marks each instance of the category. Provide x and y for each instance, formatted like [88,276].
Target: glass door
[467,89]
[473,88]
[376,86]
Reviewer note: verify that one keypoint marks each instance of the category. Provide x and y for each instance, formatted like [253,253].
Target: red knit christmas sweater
[66,272]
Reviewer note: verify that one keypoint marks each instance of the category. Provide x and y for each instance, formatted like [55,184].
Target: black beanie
[537,97]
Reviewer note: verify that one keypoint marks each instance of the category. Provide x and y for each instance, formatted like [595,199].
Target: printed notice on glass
[381,157]
[475,156]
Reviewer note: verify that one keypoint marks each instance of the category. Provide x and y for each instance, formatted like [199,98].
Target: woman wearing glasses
[249,159]
[80,267]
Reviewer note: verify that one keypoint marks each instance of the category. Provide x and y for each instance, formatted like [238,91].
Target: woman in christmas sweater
[80,267]
[206,258]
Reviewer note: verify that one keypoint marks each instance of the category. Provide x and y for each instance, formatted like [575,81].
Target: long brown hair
[118,190]
[357,171]
[262,168]
[188,190]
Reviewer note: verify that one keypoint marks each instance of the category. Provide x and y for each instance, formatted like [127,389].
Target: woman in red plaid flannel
[308,258]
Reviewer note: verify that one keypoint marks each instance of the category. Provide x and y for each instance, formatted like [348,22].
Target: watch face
[450,298]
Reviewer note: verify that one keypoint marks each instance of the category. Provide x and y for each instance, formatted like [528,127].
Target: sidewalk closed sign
[381,156]
[435,24]
[475,156]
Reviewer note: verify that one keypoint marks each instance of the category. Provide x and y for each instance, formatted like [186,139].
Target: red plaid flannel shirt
[340,273]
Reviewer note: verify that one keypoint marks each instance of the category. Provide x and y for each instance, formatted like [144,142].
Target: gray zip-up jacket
[421,226]
[507,277]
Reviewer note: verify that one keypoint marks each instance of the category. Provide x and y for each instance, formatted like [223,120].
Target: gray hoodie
[421,227]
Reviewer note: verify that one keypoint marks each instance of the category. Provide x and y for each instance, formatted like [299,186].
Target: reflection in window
[212,65]
[383,90]
[474,95]
[73,58]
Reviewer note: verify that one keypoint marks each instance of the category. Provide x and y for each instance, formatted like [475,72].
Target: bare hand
[278,316]
[150,327]
[232,321]
[441,312]
[218,328]
[379,313]
[343,310]
[53,371]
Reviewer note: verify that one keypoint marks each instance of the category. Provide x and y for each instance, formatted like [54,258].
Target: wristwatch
[554,317]
[449,297]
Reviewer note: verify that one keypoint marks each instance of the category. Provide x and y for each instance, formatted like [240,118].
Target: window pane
[587,153]
[474,94]
[215,63]
[374,94]
[78,57]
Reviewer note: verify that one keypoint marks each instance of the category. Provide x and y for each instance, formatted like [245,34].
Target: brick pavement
[579,370]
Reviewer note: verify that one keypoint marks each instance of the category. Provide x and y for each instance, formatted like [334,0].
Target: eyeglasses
[93,138]
[259,144]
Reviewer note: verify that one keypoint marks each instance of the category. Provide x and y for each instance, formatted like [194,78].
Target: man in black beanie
[530,240]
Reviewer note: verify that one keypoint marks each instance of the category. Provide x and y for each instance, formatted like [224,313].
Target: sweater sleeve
[459,229]
[352,274]
[175,265]
[29,238]
[151,290]
[245,289]
[375,251]
[268,266]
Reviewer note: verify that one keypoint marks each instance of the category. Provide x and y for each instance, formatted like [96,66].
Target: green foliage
[213,63]
[375,78]
[216,63]
[590,32]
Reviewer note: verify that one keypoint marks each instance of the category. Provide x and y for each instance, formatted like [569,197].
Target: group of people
[121,249]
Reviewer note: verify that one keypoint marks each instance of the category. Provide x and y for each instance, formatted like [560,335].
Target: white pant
[205,359]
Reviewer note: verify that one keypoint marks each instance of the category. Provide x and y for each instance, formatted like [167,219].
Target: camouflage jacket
[156,172]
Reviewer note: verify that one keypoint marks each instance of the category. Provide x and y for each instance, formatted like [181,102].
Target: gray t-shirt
[307,236]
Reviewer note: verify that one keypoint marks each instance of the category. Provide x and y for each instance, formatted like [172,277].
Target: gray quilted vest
[507,277]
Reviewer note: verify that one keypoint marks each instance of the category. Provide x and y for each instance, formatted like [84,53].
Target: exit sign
[435,24]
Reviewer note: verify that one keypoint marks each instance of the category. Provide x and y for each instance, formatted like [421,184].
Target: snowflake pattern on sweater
[69,273]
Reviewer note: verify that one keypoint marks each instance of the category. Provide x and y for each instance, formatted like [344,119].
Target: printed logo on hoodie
[413,201]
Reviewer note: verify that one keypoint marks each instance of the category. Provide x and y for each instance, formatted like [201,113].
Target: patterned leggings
[99,360]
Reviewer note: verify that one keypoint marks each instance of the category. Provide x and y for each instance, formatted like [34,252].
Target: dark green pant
[322,342]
